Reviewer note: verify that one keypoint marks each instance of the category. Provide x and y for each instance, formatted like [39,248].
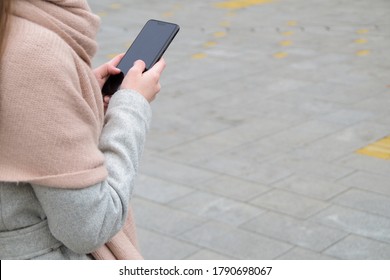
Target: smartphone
[149,46]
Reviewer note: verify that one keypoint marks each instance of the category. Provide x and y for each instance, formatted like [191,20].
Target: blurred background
[271,135]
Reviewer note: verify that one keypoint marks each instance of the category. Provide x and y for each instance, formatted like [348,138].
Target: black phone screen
[149,46]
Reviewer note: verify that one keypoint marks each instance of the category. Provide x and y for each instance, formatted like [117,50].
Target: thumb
[139,66]
[115,61]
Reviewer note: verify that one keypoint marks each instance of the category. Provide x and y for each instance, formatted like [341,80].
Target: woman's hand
[146,83]
[104,71]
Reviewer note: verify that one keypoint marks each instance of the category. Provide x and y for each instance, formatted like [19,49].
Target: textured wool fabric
[51,112]
[51,108]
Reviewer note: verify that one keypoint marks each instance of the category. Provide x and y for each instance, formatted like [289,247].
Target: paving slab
[356,222]
[159,190]
[235,243]
[207,255]
[359,248]
[370,165]
[217,208]
[367,201]
[304,234]
[289,203]
[234,188]
[298,253]
[163,219]
[168,247]
[311,186]
[368,181]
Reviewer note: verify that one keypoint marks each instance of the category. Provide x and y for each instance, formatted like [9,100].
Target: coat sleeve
[85,219]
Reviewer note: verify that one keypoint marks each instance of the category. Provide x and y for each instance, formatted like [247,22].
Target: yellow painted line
[286,43]
[288,33]
[240,4]
[171,13]
[115,6]
[168,14]
[385,142]
[102,14]
[225,23]
[280,55]
[219,34]
[199,56]
[209,44]
[292,23]
[361,41]
[362,31]
[379,149]
[363,52]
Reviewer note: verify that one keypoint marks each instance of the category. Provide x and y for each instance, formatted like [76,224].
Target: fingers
[146,83]
[159,66]
[112,70]
[139,66]
[106,101]
[115,61]
[109,68]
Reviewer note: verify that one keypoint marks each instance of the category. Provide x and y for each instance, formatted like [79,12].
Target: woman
[67,167]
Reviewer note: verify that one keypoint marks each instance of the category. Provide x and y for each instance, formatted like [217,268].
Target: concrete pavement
[269,137]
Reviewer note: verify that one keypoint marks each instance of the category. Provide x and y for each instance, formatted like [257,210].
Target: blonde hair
[5,7]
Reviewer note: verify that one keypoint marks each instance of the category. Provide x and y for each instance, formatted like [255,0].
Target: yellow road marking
[286,43]
[210,44]
[362,31]
[361,41]
[168,14]
[363,52]
[280,55]
[115,6]
[224,23]
[102,14]
[288,33]
[239,4]
[292,23]
[171,13]
[379,149]
[219,34]
[199,56]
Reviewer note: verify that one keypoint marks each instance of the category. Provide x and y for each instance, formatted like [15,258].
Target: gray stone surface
[298,253]
[166,248]
[289,203]
[360,248]
[252,149]
[236,243]
[365,201]
[356,222]
[305,234]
